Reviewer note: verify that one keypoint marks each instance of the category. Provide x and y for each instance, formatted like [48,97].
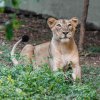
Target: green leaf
[9,30]
[15,3]
[1,10]
[16,23]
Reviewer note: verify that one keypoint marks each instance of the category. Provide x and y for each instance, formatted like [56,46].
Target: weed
[26,83]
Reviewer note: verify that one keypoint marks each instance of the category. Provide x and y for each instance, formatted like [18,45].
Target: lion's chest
[66,59]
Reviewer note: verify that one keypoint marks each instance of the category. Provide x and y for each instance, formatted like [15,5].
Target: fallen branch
[25,13]
[91,27]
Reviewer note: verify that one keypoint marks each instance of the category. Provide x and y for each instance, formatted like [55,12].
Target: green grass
[94,49]
[26,83]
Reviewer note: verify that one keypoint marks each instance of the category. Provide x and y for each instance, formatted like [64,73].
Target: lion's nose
[65,33]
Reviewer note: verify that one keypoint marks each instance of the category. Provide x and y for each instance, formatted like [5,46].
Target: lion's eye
[69,25]
[59,25]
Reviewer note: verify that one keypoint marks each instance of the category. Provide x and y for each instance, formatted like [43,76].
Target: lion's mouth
[65,38]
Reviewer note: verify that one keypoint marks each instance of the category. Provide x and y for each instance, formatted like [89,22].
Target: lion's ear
[51,22]
[74,21]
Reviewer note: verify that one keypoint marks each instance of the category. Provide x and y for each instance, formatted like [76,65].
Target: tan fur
[62,48]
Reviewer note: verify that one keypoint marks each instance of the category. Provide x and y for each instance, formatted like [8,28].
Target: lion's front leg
[57,64]
[76,72]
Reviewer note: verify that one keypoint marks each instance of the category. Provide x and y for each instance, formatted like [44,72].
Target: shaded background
[61,8]
[36,26]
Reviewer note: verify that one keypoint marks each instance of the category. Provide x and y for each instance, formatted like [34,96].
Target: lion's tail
[25,38]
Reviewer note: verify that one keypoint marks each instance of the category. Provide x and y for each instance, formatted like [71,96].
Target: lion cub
[59,52]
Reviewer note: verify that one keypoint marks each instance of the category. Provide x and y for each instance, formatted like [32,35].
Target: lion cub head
[63,30]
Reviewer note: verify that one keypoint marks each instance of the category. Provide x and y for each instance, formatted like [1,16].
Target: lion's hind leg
[27,54]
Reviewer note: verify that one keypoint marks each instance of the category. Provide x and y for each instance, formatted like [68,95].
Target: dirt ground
[39,32]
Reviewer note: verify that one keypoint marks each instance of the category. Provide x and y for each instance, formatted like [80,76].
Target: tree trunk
[83,23]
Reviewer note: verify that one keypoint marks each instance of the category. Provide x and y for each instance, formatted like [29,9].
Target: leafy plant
[13,23]
[2,4]
[24,83]
[15,3]
[28,83]
[9,30]
[94,49]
